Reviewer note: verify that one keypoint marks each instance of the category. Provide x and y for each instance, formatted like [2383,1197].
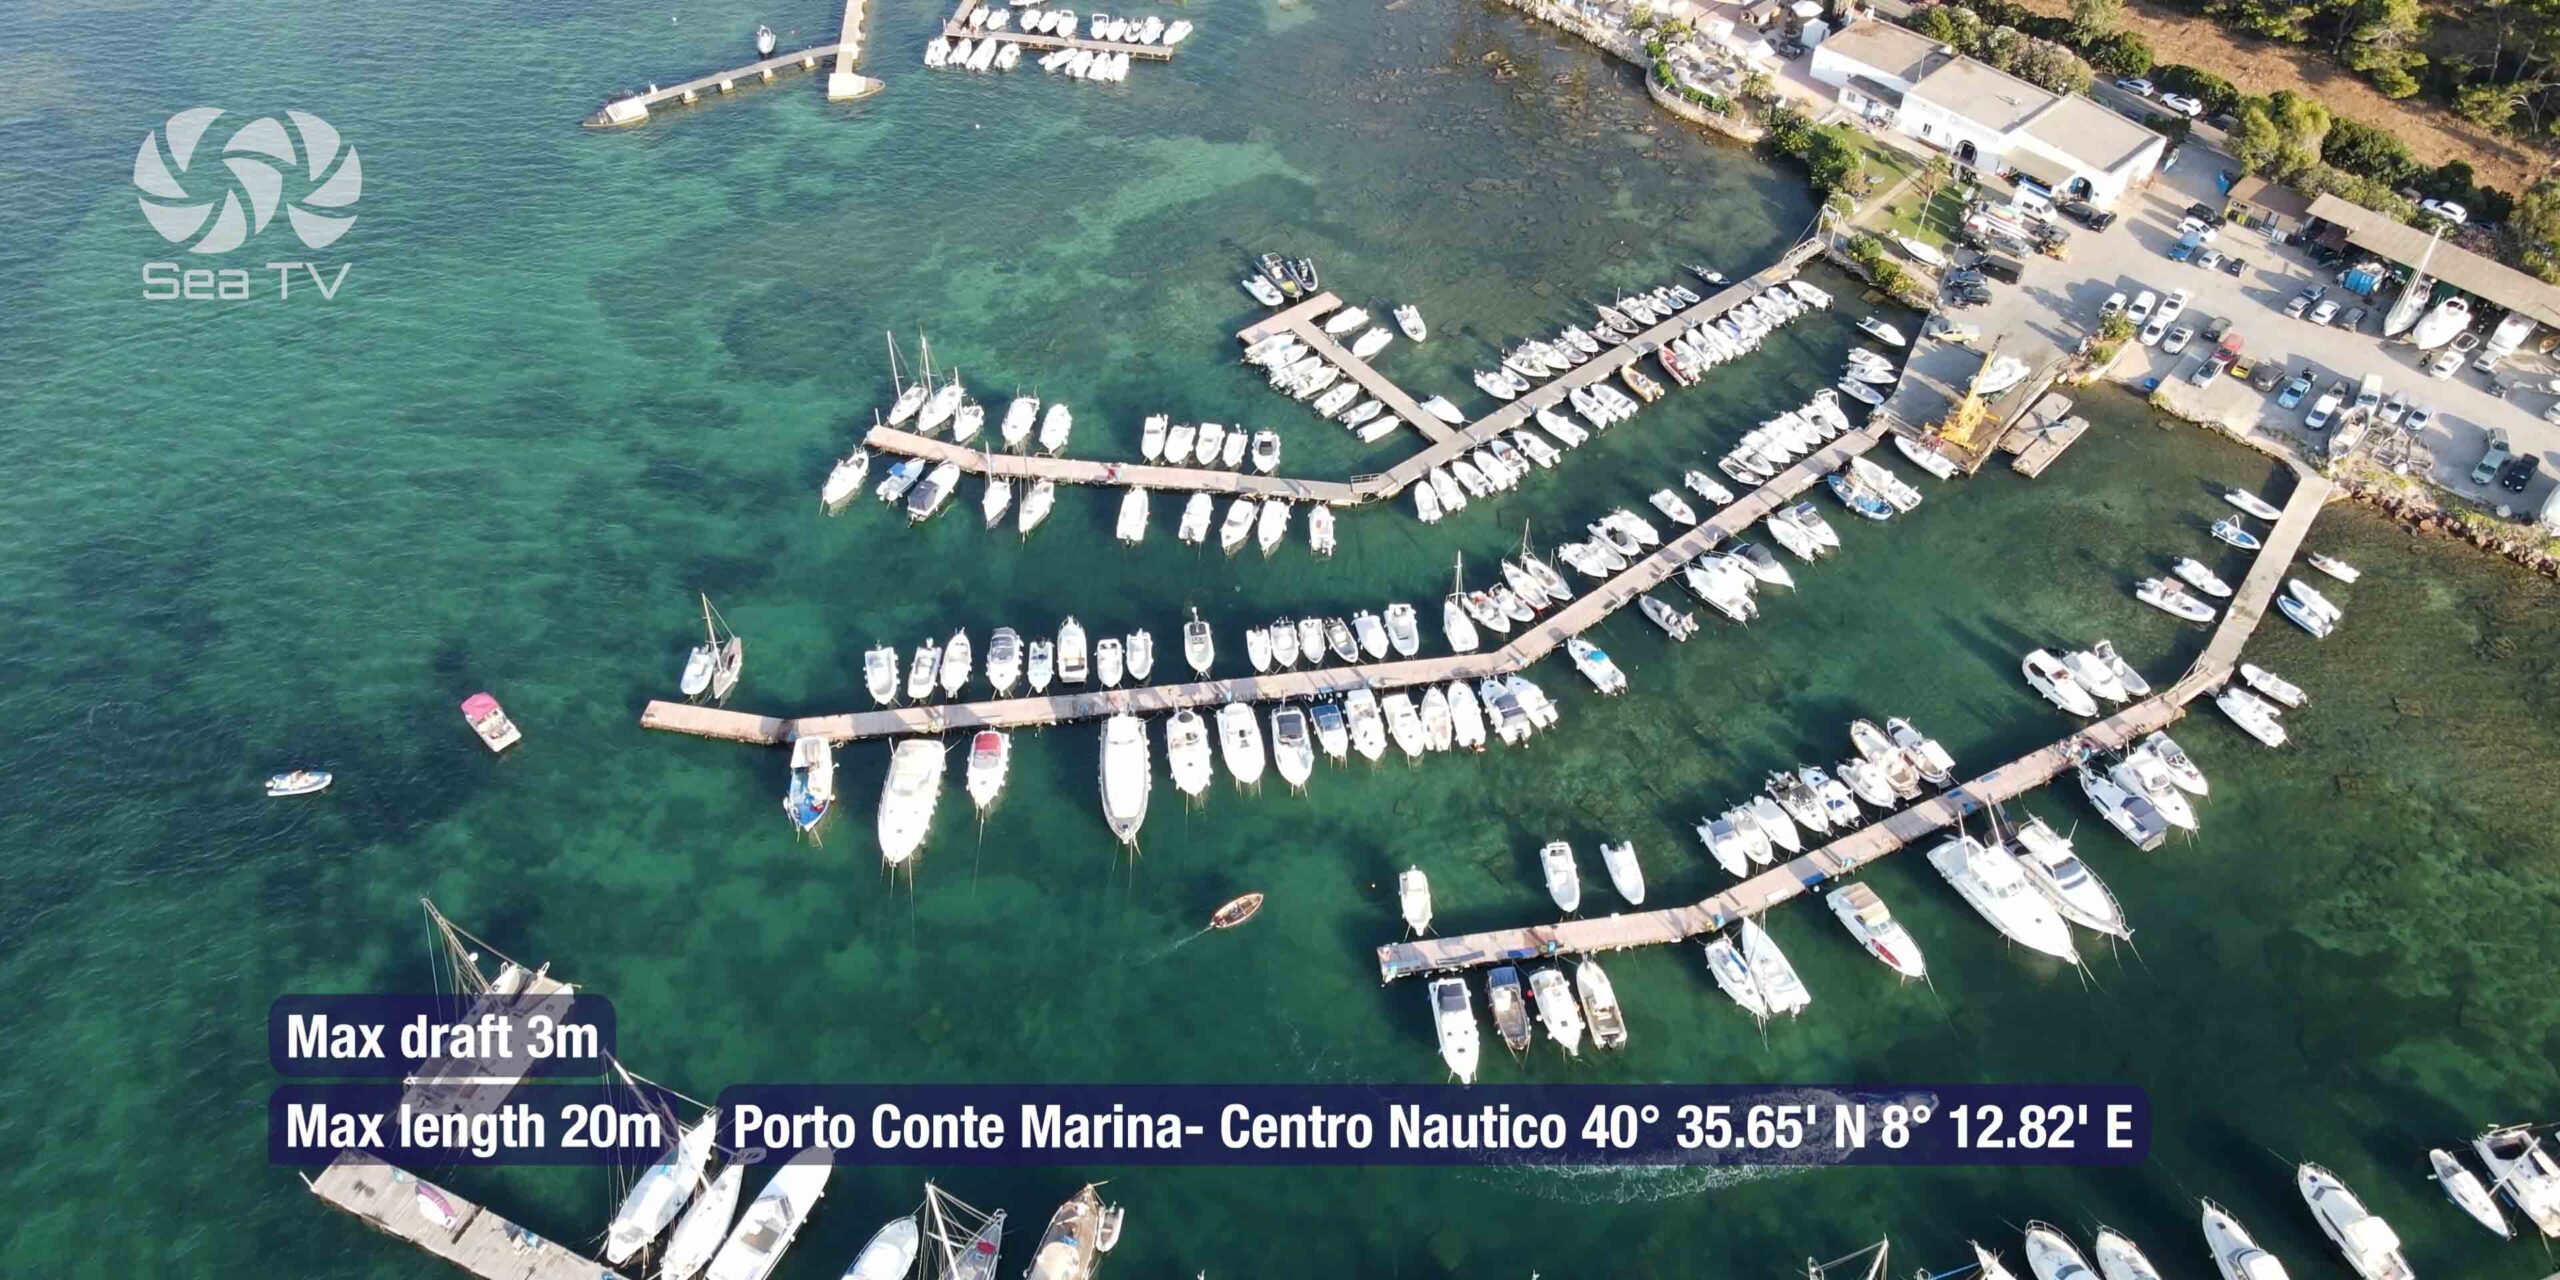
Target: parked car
[2353,318]
[2173,305]
[2204,373]
[2267,377]
[2209,258]
[2492,458]
[2143,304]
[2182,104]
[2393,409]
[2115,302]
[2204,213]
[2325,312]
[2134,85]
[2294,391]
[2153,332]
[2421,417]
[2086,214]
[2448,210]
[2301,302]
[2202,229]
[2325,409]
[2178,339]
[2215,328]
[2233,265]
[2008,270]
[2518,472]
[2444,364]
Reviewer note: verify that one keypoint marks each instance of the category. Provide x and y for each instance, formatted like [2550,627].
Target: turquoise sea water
[574,377]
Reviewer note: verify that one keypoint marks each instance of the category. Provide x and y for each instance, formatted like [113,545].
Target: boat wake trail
[1646,1184]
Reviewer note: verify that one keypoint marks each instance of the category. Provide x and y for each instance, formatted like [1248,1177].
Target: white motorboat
[1194,526]
[698,1235]
[1404,725]
[1311,639]
[1132,527]
[2307,617]
[1881,331]
[1107,661]
[1178,442]
[2333,566]
[1404,633]
[2311,598]
[2252,714]
[1266,451]
[2463,1187]
[1209,444]
[1187,752]
[2049,677]
[893,1248]
[2519,1167]
[1625,873]
[1453,1016]
[2372,1248]
[1733,975]
[1724,838]
[1151,435]
[1320,529]
[659,1193]
[1798,800]
[1368,344]
[1272,525]
[1466,716]
[1557,1009]
[2201,578]
[2129,812]
[2075,891]
[1674,623]
[2164,595]
[2052,1256]
[1594,663]
[2092,673]
[2119,1258]
[1238,524]
[1141,650]
[774,1219]
[2144,775]
[1199,648]
[1231,453]
[1368,725]
[2446,319]
[2173,760]
[1127,775]
[907,798]
[1072,655]
[2253,504]
[1925,456]
[998,501]
[1345,320]
[2228,530]
[1564,879]
[1263,291]
[1372,633]
[1039,666]
[1868,920]
[928,496]
[1409,319]
[1413,898]
[923,670]
[990,758]
[1989,878]
[1781,991]
[1600,1003]
[2235,1254]
[1935,766]
[1035,505]
[880,673]
[1240,743]
[1837,806]
[844,480]
[958,664]
[1440,407]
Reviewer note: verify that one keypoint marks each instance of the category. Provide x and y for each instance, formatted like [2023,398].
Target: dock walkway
[1847,854]
[842,83]
[1302,318]
[957,27]
[1534,642]
[396,1202]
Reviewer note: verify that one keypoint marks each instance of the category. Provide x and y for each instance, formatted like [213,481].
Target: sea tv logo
[212,199]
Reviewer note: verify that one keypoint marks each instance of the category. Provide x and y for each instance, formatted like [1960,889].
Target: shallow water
[576,377]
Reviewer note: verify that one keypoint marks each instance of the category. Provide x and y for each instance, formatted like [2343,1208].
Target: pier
[1847,854]
[843,85]
[2039,435]
[1535,640]
[1302,318]
[957,27]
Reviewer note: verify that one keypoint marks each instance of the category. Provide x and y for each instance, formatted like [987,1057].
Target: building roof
[1986,96]
[2091,135]
[1877,89]
[2260,193]
[2399,242]
[1893,51]
[2038,163]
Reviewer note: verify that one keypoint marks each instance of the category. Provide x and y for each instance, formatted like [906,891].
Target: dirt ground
[2433,134]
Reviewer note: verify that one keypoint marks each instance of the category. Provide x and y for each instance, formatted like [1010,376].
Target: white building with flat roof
[1896,78]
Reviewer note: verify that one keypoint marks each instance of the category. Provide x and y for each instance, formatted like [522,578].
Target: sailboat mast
[896,383]
[709,632]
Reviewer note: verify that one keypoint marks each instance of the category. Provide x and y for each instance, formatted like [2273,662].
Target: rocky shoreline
[2414,510]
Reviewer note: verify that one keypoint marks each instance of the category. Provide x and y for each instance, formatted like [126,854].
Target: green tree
[2121,53]
[2535,224]
[2094,20]
[2377,38]
[2491,106]
[2360,148]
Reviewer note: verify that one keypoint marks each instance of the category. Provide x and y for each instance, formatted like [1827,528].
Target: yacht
[1332,732]
[1466,716]
[1187,753]
[1078,1233]
[2092,673]
[1132,527]
[1240,743]
[2173,758]
[1404,725]
[1564,879]
[1557,1009]
[1935,766]
[1413,897]
[2119,1258]
[2132,815]
[1193,529]
[2274,687]
[1625,873]
[957,665]
[907,798]
[1453,1014]
[1072,658]
[2369,1243]
[1780,989]
[990,757]
[2050,678]
[2143,775]
[1198,647]
[880,673]
[2235,1255]
[2519,1167]
[2252,715]
[2052,1256]
[2074,890]
[2462,1186]
[1990,879]
[1293,749]
[1504,996]
[1127,775]
[1733,975]
[1600,1002]
[2201,578]
[769,1225]
[1866,918]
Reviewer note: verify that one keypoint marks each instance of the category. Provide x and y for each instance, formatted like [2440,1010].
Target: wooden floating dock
[1300,317]
[1847,854]
[393,1201]
[2040,434]
[843,85]
[957,28]
[1534,641]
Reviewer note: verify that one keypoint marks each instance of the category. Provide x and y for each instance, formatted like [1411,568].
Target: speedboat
[1072,655]
[1466,716]
[1272,525]
[1404,724]
[1781,991]
[1240,743]
[2519,1167]
[990,757]
[770,1224]
[2052,1256]
[1039,665]
[2253,504]
[2235,1254]
[880,672]
[2201,578]
[1107,661]
[1413,898]
[1867,919]
[1186,752]
[1935,766]
[2092,673]
[1292,749]
[1881,331]
[2369,1243]
[957,664]
[1624,872]
[2075,891]
[2142,774]
[2173,761]
[2119,1258]
[1733,975]
[1600,1001]
[2166,596]
[907,798]
[2462,1186]
[2229,530]
[1368,724]
[2334,567]
[1127,775]
[1453,1016]
[2052,679]
[2251,714]
[1409,319]
[1989,878]
[1132,528]
[1557,1009]
[1593,662]
[2131,814]
[1199,648]
[844,480]
[1564,879]
[2307,617]
[302,782]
